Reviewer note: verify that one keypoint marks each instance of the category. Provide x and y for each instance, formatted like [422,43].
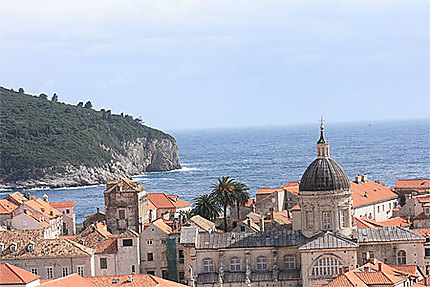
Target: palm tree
[241,196]
[206,206]
[223,191]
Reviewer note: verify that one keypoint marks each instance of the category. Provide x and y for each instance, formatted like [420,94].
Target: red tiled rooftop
[268,190]
[138,280]
[423,231]
[292,186]
[163,200]
[418,183]
[6,206]
[73,280]
[11,275]
[370,192]
[62,204]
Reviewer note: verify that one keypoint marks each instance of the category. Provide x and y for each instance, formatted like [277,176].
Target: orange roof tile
[10,275]
[17,196]
[268,190]
[162,225]
[146,280]
[362,223]
[423,231]
[72,280]
[396,221]
[418,183]
[62,204]
[163,200]
[425,198]
[250,202]
[410,269]
[43,207]
[374,278]
[370,192]
[6,206]
[296,207]
[292,186]
[282,217]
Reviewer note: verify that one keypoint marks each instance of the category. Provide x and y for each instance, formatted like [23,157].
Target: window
[181,256]
[378,208]
[261,263]
[49,272]
[12,247]
[290,262]
[65,271]
[163,241]
[149,242]
[127,242]
[103,263]
[242,228]
[343,218]
[67,211]
[34,271]
[208,265]
[401,257]
[309,219]
[149,257]
[121,213]
[181,276]
[133,268]
[326,220]
[367,256]
[427,250]
[234,264]
[80,270]
[164,274]
[150,272]
[326,266]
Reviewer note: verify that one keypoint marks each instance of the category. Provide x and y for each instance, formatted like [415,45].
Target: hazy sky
[194,64]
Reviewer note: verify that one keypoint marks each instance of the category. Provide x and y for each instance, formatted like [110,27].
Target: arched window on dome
[401,257]
[326,266]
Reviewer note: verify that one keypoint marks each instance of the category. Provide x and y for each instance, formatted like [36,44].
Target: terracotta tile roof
[251,214]
[138,280]
[295,207]
[370,192]
[202,223]
[253,224]
[42,247]
[374,278]
[292,186]
[18,197]
[268,190]
[423,198]
[38,217]
[421,216]
[11,275]
[73,280]
[409,269]
[97,237]
[62,204]
[282,217]
[423,231]
[7,207]
[42,207]
[418,183]
[162,226]
[362,223]
[396,221]
[108,246]
[163,200]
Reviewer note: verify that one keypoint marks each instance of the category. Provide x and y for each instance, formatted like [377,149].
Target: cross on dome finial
[322,144]
[322,138]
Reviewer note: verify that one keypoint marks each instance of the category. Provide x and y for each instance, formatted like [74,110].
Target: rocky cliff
[50,144]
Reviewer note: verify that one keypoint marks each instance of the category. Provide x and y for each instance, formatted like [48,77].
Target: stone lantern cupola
[325,195]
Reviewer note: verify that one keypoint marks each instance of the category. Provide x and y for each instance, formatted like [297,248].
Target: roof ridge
[80,246]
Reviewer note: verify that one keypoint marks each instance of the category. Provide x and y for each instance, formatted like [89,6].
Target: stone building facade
[126,205]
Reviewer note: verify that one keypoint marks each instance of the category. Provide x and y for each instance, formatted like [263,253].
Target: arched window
[401,257]
[234,264]
[208,265]
[261,263]
[327,266]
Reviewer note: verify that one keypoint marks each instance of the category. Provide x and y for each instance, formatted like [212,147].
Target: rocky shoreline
[141,155]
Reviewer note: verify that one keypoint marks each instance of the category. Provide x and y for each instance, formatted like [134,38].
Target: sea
[272,156]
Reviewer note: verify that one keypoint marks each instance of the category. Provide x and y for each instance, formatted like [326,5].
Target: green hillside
[38,134]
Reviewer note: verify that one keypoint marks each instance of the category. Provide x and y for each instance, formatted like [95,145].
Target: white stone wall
[127,256]
[158,248]
[378,211]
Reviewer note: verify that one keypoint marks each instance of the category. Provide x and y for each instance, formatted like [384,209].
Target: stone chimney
[364,178]
[379,266]
[248,222]
[27,195]
[357,179]
[45,197]
[261,224]
[130,279]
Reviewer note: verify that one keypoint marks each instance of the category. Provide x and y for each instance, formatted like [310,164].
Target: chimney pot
[357,179]
[130,278]
[379,266]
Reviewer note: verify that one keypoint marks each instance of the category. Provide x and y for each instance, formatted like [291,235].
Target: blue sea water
[271,156]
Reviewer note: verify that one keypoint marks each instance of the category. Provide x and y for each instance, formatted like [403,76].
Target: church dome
[324,174]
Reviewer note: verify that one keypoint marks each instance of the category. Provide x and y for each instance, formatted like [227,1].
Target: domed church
[325,195]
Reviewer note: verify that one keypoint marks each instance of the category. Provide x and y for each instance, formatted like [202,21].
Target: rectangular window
[290,262]
[149,256]
[326,220]
[65,271]
[164,274]
[343,218]
[163,241]
[127,242]
[103,263]
[49,272]
[149,242]
[121,213]
[427,250]
[378,208]
[261,263]
[34,271]
[181,276]
[181,256]
[80,270]
[133,268]
[150,272]
[309,219]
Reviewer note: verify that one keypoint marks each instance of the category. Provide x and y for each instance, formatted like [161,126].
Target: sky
[211,64]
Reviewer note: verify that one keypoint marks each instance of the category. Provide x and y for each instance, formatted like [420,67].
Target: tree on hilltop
[88,105]
[21,90]
[54,97]
[80,104]
[43,96]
